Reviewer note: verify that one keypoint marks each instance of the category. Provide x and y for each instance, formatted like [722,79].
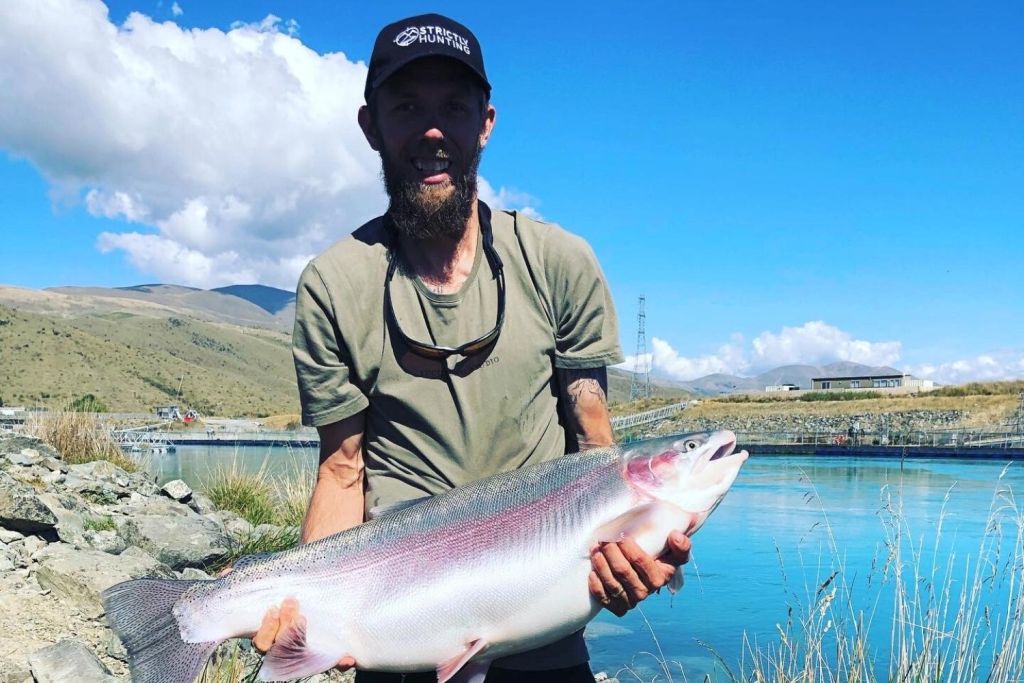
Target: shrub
[87,404]
[839,395]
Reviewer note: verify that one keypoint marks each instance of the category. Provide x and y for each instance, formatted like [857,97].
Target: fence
[959,438]
[637,419]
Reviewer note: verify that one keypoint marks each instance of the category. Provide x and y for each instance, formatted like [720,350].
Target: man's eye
[405,107]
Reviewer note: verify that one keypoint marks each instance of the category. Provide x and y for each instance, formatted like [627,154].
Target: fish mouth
[723,443]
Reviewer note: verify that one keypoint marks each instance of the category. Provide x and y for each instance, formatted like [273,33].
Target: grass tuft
[104,523]
[80,438]
[250,495]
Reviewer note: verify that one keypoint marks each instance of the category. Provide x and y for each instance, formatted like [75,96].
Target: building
[895,381]
[781,387]
[168,412]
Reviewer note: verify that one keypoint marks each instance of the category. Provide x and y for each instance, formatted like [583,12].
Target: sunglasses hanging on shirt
[470,348]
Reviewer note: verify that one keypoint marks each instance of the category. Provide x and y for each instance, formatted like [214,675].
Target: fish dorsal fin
[459,669]
[293,656]
[647,524]
[381,510]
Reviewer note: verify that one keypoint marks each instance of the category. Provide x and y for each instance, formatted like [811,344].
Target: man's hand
[279,619]
[623,574]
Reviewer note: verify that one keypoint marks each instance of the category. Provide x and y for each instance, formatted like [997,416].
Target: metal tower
[640,386]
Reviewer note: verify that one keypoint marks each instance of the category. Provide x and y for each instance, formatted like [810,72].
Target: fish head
[690,471]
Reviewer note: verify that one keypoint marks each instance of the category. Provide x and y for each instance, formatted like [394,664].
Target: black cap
[426,35]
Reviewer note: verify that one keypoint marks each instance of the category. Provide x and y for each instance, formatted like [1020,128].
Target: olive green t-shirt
[432,425]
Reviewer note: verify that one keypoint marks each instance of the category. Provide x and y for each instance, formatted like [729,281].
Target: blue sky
[785,182]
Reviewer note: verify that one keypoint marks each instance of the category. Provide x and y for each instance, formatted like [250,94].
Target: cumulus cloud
[232,156]
[506,198]
[176,9]
[998,365]
[817,343]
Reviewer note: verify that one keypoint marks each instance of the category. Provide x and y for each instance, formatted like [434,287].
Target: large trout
[450,582]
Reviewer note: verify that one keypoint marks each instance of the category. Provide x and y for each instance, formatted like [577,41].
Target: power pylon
[640,386]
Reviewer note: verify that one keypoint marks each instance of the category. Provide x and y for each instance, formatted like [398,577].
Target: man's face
[430,122]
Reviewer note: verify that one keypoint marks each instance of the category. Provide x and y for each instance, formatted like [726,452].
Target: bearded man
[444,342]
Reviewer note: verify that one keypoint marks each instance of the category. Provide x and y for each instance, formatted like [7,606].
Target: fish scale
[488,569]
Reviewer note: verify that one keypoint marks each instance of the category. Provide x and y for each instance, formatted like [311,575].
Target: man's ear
[490,117]
[369,129]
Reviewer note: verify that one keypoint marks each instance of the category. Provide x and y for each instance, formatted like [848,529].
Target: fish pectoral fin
[459,669]
[293,656]
[639,522]
[675,584]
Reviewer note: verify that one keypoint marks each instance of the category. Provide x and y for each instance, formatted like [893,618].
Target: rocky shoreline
[68,532]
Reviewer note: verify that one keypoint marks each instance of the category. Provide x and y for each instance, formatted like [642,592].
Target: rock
[69,661]
[32,545]
[115,648]
[17,444]
[55,465]
[99,492]
[21,509]
[50,478]
[107,541]
[80,576]
[177,490]
[194,574]
[7,563]
[201,503]
[178,542]
[9,535]
[157,506]
[99,469]
[70,525]
[232,523]
[26,458]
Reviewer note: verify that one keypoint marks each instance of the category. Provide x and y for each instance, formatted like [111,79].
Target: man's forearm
[334,506]
[337,500]
[585,406]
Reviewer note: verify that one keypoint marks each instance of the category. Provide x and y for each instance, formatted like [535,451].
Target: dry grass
[80,438]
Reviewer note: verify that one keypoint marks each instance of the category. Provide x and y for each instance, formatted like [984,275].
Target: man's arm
[585,406]
[337,500]
[336,505]
[623,574]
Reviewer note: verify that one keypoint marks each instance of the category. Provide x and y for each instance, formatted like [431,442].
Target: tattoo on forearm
[583,385]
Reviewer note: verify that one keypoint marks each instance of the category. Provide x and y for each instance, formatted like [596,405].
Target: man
[443,342]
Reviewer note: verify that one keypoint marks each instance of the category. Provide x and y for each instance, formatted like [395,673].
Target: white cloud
[818,343]
[667,362]
[997,365]
[176,9]
[236,154]
[505,198]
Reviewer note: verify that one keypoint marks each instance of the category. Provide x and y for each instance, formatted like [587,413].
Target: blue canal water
[785,526]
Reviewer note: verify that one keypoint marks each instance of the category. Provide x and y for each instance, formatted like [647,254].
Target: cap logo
[431,34]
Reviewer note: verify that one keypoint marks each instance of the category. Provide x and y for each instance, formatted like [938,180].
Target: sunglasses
[470,348]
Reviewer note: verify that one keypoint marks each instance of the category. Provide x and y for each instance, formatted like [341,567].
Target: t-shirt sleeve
[586,329]
[322,360]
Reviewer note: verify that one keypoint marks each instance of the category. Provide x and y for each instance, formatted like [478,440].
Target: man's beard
[419,215]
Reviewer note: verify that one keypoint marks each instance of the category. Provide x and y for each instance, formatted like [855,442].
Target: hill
[247,305]
[132,360]
[800,375]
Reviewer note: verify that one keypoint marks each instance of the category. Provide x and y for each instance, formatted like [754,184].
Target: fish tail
[140,613]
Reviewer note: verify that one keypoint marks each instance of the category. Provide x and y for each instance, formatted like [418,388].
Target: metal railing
[646,417]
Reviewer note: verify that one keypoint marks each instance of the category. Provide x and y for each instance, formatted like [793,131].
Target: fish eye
[691,445]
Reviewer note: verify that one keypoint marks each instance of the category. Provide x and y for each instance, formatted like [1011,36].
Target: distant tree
[88,404]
